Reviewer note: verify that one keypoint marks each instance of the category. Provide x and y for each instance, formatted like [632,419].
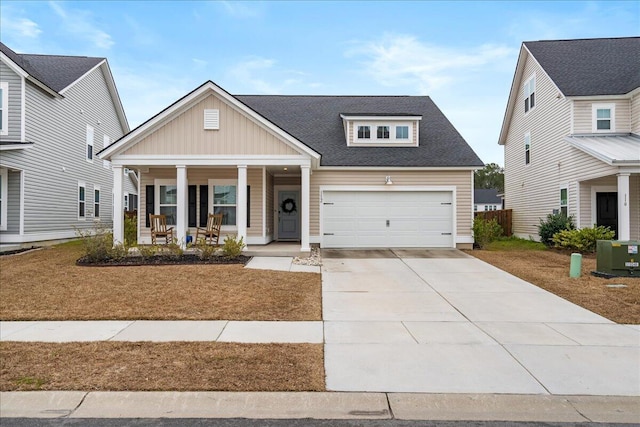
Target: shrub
[232,247]
[97,244]
[204,250]
[552,225]
[485,231]
[147,251]
[582,240]
[175,249]
[130,231]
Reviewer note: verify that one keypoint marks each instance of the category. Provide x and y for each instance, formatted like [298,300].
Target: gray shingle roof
[315,120]
[55,71]
[608,66]
[486,195]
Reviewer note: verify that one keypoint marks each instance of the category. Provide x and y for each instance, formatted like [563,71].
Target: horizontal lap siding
[57,160]
[13,203]
[635,114]
[185,135]
[269,205]
[583,115]
[460,179]
[15,102]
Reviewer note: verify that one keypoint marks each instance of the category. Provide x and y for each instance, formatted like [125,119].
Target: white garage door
[380,219]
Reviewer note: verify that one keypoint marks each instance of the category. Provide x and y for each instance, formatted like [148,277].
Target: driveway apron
[445,322]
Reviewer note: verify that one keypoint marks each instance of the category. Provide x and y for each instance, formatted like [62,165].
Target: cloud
[239,9]
[399,60]
[21,27]
[81,23]
[265,76]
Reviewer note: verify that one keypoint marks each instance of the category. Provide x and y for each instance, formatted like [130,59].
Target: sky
[462,54]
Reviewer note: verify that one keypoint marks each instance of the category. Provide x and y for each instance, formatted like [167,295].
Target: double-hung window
[4,108]
[96,202]
[402,132]
[529,94]
[603,117]
[564,201]
[383,132]
[82,200]
[89,143]
[167,199]
[364,132]
[527,148]
[224,199]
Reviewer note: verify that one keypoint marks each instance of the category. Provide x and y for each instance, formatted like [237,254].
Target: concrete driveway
[445,322]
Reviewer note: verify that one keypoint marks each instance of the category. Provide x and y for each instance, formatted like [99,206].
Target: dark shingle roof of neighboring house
[586,67]
[486,196]
[316,121]
[54,71]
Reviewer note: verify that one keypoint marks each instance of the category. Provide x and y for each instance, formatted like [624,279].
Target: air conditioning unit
[616,258]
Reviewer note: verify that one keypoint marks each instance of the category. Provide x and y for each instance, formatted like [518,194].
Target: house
[571,135]
[339,171]
[57,112]
[486,199]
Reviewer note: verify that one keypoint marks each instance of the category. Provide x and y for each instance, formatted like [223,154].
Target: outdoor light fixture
[387,180]
[286,169]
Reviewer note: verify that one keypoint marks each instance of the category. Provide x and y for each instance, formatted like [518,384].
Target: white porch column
[118,205]
[304,208]
[241,203]
[181,202]
[624,228]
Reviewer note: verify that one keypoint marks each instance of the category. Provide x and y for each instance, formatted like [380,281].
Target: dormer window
[364,132]
[402,132]
[383,132]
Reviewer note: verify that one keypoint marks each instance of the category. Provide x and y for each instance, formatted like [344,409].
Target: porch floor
[276,249]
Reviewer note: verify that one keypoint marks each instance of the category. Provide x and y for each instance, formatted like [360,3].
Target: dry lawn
[47,285]
[161,366]
[549,270]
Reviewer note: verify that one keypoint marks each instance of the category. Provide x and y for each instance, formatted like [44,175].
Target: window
[4,186]
[223,200]
[475,207]
[364,132]
[81,200]
[96,201]
[603,117]
[106,141]
[402,132]
[4,108]
[126,202]
[530,94]
[564,196]
[167,197]
[527,148]
[383,132]
[89,144]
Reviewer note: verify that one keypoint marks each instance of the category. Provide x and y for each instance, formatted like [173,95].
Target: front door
[607,211]
[288,215]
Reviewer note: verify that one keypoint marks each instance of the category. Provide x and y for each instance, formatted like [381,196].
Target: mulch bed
[186,259]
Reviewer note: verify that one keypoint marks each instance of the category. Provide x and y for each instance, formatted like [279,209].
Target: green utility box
[616,258]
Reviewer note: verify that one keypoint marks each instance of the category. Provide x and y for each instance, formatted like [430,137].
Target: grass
[47,285]
[549,269]
[161,366]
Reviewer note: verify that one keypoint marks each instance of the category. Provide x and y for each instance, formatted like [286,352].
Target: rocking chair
[211,234]
[159,229]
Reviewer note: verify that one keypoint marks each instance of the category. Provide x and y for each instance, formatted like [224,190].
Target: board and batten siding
[583,115]
[57,160]
[460,179]
[185,135]
[14,117]
[533,190]
[201,176]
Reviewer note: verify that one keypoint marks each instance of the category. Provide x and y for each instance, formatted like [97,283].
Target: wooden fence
[502,216]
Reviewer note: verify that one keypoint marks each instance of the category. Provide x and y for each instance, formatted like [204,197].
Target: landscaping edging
[186,259]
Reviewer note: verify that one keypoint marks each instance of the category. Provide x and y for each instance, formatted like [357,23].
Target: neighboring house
[340,171]
[571,135]
[486,199]
[57,112]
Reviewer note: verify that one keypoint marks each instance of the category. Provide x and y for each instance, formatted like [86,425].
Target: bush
[485,231]
[552,225]
[147,251]
[130,231]
[204,250]
[232,247]
[174,249]
[97,244]
[582,240]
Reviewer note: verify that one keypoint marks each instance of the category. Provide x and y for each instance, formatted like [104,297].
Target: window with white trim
[223,199]
[564,201]
[603,117]
[126,202]
[166,199]
[89,143]
[383,132]
[527,148]
[529,90]
[106,141]
[82,200]
[96,202]
[4,108]
[402,132]
[364,132]
[4,194]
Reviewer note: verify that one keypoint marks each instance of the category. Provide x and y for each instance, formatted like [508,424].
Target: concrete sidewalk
[296,405]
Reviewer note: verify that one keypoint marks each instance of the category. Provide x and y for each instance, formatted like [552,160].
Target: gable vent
[212,119]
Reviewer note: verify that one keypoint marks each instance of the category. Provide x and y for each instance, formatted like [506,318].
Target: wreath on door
[288,206]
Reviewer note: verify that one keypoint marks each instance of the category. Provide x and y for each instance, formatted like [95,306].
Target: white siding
[635,113]
[15,102]
[583,115]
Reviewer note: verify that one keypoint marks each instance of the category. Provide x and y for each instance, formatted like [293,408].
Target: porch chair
[159,228]
[212,232]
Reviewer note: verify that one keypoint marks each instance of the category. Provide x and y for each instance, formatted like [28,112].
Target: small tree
[485,231]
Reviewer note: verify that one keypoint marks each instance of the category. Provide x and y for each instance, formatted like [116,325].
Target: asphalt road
[241,422]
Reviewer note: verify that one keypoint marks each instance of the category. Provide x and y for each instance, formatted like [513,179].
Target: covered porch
[260,202]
